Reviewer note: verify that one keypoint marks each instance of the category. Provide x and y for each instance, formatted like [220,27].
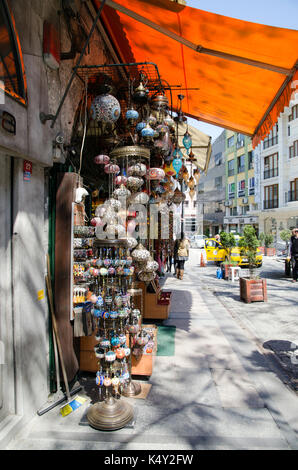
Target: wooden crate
[157,304]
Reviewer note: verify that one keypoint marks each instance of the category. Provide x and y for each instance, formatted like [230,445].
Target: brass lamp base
[132,389]
[110,415]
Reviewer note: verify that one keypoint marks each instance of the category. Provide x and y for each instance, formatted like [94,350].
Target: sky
[280,13]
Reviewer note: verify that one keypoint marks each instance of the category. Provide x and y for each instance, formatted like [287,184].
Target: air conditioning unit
[245,200]
[228,203]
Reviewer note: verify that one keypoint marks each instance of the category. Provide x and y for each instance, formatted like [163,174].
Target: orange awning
[245,71]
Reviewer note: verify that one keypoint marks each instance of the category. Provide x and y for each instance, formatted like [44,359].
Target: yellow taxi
[217,253]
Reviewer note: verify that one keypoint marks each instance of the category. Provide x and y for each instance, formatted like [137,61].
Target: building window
[241,163]
[293,193]
[294,113]
[272,138]
[218,159]
[293,150]
[190,224]
[233,211]
[231,168]
[244,210]
[251,186]
[218,182]
[230,141]
[271,166]
[241,188]
[231,190]
[240,141]
[11,70]
[271,196]
[250,160]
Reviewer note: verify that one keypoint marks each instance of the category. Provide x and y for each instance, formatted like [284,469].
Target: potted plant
[262,242]
[228,242]
[252,289]
[269,250]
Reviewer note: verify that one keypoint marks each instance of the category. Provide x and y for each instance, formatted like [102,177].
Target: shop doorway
[7,387]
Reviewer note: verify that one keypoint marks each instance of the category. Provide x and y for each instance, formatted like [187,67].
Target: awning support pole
[196,47]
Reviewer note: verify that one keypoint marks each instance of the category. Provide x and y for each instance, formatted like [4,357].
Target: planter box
[270,251]
[226,270]
[253,290]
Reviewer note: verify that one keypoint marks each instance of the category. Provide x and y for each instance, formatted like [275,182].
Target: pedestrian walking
[183,254]
[293,253]
[175,256]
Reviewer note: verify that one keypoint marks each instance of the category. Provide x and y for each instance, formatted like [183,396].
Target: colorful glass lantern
[197,175]
[147,132]
[155,174]
[105,108]
[140,126]
[192,192]
[187,141]
[169,170]
[132,114]
[177,165]
[120,179]
[191,183]
[101,159]
[111,168]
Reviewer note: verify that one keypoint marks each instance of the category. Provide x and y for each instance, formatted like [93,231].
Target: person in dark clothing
[293,253]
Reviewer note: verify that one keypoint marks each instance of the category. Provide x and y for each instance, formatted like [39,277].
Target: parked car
[217,253]
[198,241]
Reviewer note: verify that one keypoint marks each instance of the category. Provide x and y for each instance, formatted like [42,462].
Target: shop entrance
[7,398]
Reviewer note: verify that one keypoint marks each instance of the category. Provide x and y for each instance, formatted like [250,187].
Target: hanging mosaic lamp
[197,175]
[155,174]
[187,141]
[169,170]
[192,192]
[147,132]
[111,168]
[120,179]
[185,174]
[140,126]
[177,164]
[101,159]
[132,114]
[178,197]
[105,108]
[191,183]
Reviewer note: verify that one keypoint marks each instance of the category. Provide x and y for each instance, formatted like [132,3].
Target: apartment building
[276,175]
[211,189]
[240,183]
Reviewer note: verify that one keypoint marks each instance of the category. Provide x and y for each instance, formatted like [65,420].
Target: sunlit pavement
[223,388]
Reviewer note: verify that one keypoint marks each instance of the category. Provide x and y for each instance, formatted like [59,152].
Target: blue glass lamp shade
[132,114]
[177,164]
[140,126]
[147,131]
[187,141]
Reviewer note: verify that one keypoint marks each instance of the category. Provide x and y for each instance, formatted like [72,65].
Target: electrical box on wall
[51,46]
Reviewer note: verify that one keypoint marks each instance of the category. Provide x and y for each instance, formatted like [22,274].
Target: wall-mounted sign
[8,122]
[27,170]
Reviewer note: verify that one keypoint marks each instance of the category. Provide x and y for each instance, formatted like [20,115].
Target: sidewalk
[219,391]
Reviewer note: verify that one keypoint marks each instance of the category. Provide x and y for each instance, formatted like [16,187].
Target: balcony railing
[270,173]
[293,196]
[241,192]
[271,204]
[269,142]
[251,191]
[231,195]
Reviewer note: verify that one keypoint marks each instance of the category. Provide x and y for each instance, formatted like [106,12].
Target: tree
[228,242]
[262,238]
[285,236]
[268,240]
[249,244]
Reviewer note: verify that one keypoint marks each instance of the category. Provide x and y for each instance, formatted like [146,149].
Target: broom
[72,403]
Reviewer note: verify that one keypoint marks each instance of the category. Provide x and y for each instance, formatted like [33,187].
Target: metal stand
[110,415]
[133,388]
